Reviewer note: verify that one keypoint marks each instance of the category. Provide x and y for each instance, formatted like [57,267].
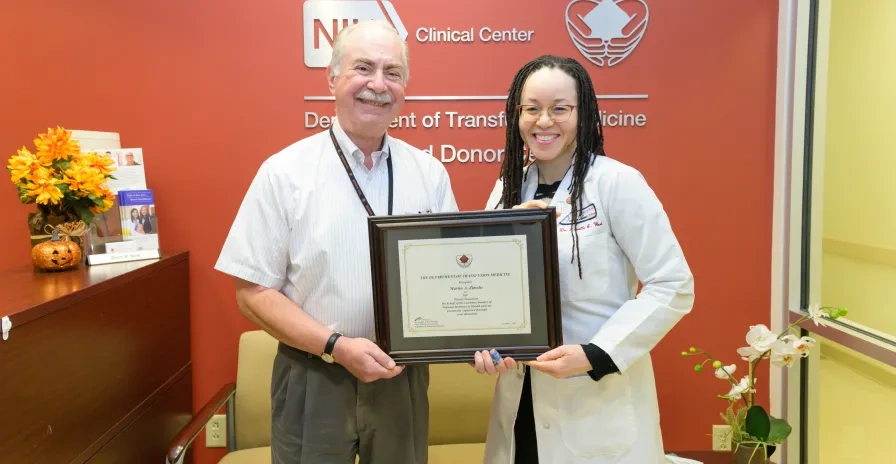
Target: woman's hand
[484,363]
[563,361]
[534,204]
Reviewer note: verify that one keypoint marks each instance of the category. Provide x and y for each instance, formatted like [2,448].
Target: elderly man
[299,251]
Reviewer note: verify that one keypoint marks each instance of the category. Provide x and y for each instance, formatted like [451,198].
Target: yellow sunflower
[44,191]
[107,205]
[83,180]
[22,165]
[56,144]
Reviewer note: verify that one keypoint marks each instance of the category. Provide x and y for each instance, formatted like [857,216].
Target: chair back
[459,399]
[460,402]
[255,362]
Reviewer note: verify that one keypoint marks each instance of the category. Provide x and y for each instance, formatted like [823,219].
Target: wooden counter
[706,457]
[717,457]
[97,364]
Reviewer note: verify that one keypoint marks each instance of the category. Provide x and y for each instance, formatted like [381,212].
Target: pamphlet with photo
[138,218]
[129,173]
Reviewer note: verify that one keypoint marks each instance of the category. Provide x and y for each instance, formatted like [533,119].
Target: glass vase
[42,224]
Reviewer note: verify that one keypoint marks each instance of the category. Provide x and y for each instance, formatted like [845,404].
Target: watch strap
[331,342]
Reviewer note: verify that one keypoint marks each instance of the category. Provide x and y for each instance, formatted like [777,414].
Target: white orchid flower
[742,387]
[725,372]
[816,314]
[803,345]
[747,353]
[760,340]
[783,353]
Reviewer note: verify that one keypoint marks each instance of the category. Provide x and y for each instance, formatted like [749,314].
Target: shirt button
[546,425]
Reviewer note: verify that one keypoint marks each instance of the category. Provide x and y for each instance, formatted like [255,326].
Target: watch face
[327,358]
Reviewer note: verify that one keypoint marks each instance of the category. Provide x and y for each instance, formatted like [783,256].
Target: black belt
[294,353]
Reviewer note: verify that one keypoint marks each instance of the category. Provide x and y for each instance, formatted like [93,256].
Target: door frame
[801,107]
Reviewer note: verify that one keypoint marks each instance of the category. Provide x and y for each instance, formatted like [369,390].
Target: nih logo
[323,19]
[604,32]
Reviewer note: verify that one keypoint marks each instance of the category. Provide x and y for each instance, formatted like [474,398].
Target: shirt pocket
[411,203]
[597,418]
[412,210]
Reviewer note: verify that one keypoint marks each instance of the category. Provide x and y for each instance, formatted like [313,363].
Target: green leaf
[83,213]
[23,195]
[779,430]
[758,423]
[62,165]
[95,199]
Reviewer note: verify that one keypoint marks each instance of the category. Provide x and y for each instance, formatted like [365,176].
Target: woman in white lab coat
[592,400]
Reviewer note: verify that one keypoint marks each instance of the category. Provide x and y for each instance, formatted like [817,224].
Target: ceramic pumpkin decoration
[56,254]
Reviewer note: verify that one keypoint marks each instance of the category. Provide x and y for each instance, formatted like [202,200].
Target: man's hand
[534,204]
[563,361]
[364,359]
[484,364]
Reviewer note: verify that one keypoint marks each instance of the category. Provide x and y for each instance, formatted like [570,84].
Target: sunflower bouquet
[67,185]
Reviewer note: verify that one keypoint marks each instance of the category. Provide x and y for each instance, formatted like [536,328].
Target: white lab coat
[624,237]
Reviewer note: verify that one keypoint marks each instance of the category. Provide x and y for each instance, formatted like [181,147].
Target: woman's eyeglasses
[556,113]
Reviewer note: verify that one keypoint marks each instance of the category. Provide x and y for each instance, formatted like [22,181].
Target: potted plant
[67,186]
[754,433]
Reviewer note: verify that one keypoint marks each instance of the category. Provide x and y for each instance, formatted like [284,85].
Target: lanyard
[351,176]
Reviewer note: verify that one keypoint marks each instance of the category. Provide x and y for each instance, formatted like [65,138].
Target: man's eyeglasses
[556,113]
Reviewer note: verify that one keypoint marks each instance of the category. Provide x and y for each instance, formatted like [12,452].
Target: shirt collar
[353,151]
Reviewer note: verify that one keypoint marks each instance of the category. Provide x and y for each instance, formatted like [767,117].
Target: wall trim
[870,253]
[859,363]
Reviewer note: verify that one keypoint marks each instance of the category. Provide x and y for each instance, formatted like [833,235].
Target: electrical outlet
[721,437]
[216,432]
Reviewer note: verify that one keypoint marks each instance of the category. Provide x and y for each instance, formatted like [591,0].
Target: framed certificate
[448,284]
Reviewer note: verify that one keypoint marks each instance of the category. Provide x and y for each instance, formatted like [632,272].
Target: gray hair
[343,35]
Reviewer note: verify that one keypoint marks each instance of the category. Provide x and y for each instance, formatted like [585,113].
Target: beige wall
[857,394]
[859,264]
[858,402]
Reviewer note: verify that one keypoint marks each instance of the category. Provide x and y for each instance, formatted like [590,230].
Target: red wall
[210,88]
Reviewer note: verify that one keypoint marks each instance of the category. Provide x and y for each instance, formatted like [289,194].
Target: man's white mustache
[370,95]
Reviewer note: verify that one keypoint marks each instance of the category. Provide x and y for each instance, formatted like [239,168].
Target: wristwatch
[327,355]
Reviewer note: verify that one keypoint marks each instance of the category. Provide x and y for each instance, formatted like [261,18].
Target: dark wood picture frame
[540,227]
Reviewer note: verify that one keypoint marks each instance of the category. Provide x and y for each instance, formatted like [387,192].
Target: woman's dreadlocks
[589,137]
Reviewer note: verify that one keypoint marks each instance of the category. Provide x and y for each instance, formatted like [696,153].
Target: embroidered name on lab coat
[587,219]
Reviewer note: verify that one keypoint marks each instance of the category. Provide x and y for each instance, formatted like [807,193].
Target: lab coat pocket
[593,251]
[597,418]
